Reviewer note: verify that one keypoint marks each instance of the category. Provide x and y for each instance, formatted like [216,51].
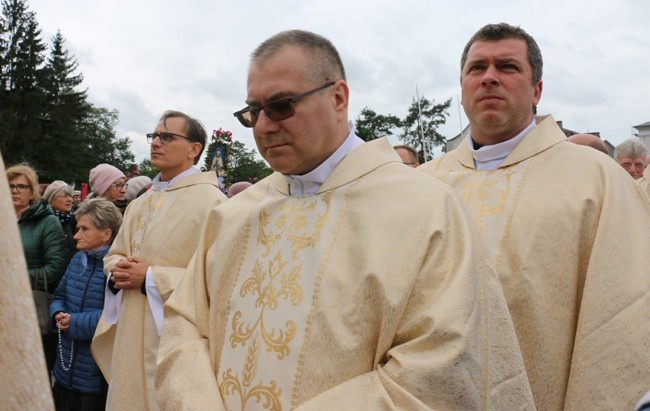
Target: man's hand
[129,273]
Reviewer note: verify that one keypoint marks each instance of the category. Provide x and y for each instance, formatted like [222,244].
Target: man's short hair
[325,63]
[502,31]
[194,129]
[632,148]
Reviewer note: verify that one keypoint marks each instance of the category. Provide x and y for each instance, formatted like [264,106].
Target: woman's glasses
[120,187]
[276,110]
[21,188]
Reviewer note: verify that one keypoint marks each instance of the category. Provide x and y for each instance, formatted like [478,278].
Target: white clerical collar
[308,184]
[490,157]
[162,186]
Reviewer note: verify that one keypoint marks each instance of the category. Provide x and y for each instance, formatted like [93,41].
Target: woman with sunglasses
[109,182]
[42,237]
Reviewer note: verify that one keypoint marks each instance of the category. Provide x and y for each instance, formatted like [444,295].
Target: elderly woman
[42,237]
[77,306]
[59,196]
[109,182]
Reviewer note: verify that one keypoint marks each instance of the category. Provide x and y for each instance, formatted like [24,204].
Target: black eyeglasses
[21,188]
[165,137]
[277,110]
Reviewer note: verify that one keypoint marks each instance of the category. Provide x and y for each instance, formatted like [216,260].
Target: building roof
[646,124]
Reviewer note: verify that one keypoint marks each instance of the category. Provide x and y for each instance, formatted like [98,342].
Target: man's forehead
[171,123]
[504,48]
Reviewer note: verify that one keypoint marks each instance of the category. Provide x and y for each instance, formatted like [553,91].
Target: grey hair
[325,63]
[632,148]
[102,213]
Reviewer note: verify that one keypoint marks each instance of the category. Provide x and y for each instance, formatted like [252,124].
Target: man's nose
[265,125]
[490,77]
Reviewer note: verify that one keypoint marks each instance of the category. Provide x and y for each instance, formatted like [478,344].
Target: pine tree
[45,118]
[21,77]
[420,126]
[67,107]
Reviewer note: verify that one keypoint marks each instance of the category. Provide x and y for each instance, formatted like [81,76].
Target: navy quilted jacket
[81,294]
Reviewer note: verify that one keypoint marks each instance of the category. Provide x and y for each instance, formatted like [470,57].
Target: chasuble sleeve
[609,368]
[185,378]
[455,346]
[167,278]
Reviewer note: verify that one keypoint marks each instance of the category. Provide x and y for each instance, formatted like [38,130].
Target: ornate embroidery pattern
[142,223]
[294,218]
[262,284]
[273,285]
[490,196]
[269,393]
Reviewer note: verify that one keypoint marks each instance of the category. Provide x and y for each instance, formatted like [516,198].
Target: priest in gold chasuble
[567,228]
[345,280]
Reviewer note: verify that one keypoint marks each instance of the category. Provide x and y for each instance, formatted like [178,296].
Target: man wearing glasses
[305,299]
[148,257]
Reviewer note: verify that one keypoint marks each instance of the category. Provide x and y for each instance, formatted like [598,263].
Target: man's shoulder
[200,178]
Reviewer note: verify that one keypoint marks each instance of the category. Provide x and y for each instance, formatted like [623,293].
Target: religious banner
[217,155]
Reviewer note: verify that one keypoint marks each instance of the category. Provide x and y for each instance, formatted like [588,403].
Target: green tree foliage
[45,118]
[101,144]
[420,126]
[370,125]
[21,78]
[146,169]
[244,166]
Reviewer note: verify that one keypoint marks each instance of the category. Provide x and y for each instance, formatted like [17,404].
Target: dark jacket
[44,245]
[69,230]
[80,294]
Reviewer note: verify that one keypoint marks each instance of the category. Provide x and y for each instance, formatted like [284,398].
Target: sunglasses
[276,110]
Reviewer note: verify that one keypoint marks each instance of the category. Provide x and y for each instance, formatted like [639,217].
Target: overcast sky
[143,57]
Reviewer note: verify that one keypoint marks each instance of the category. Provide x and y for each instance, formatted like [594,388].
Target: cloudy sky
[144,57]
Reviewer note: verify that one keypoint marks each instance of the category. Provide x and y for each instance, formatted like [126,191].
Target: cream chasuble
[372,294]
[163,228]
[558,219]
[24,384]
[644,183]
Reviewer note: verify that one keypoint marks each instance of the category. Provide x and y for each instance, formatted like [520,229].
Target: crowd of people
[497,276]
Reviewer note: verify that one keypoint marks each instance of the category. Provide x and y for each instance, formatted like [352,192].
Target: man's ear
[341,97]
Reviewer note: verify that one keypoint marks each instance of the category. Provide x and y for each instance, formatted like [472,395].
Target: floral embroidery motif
[262,284]
[269,393]
[274,284]
[294,218]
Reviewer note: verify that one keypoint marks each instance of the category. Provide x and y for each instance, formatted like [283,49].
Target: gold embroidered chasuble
[372,294]
[163,228]
[558,219]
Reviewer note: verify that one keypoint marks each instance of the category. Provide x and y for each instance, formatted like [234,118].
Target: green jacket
[44,245]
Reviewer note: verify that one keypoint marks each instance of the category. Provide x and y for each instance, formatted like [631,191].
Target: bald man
[408,155]
[238,188]
[589,140]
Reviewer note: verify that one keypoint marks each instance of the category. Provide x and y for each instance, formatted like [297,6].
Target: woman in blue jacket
[77,306]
